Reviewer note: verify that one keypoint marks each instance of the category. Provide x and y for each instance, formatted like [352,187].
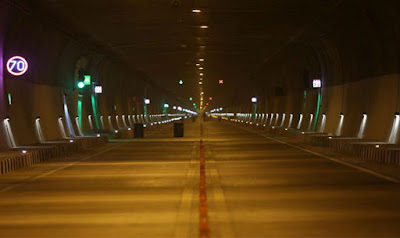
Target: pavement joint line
[222,214]
[34,178]
[362,169]
[183,220]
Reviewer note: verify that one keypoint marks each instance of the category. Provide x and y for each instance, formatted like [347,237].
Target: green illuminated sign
[87,80]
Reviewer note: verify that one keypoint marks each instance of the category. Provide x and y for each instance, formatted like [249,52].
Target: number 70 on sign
[17,66]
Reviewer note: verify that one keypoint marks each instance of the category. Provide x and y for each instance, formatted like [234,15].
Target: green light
[181,82]
[81,85]
[165,109]
[95,113]
[194,104]
[146,115]
[318,110]
[9,99]
[254,112]
[79,109]
[87,80]
[191,99]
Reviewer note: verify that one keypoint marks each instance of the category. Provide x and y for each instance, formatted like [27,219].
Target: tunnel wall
[54,57]
[355,52]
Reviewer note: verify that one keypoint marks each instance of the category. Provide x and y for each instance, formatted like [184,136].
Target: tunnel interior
[202,55]
[76,75]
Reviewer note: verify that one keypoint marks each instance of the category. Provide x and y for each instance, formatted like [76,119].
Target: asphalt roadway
[249,186]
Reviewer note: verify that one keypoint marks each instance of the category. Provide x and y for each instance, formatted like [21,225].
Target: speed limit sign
[17,66]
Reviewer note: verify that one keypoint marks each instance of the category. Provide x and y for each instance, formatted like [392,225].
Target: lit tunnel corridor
[199,118]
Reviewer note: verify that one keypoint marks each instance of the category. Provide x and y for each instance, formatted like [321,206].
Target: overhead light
[203,27]
[197,64]
[200,83]
[196,10]
[201,68]
[201,60]
[201,74]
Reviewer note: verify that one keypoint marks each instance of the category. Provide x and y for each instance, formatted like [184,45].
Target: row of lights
[179,108]
[217,109]
[200,66]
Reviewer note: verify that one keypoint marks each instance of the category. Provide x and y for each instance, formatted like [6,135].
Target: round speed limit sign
[17,65]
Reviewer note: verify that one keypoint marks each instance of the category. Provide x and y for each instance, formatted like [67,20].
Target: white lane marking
[8,188]
[362,169]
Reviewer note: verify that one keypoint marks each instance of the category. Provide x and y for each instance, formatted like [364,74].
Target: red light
[210,98]
[221,81]
[207,104]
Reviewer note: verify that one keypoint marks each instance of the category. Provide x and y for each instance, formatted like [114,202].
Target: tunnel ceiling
[164,38]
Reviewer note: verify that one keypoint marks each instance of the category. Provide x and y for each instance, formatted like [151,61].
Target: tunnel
[199,118]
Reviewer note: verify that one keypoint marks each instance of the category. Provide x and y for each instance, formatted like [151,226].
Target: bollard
[178,129]
[138,130]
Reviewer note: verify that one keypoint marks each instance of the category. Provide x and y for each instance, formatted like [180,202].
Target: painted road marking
[204,230]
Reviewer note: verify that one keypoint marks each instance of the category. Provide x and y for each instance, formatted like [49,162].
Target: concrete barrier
[385,153]
[15,159]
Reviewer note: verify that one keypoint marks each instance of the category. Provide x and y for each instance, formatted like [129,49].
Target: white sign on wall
[316,83]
